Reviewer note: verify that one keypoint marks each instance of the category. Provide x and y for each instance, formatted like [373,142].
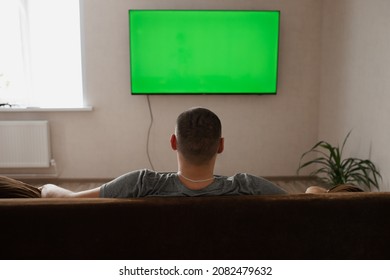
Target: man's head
[198,135]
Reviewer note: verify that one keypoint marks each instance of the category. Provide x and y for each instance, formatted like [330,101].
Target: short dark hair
[198,133]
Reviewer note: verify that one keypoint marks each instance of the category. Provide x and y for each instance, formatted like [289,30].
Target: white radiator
[24,144]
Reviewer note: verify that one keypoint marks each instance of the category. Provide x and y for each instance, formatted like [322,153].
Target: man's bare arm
[53,191]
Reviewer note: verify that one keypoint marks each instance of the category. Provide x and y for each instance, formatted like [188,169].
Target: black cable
[149,130]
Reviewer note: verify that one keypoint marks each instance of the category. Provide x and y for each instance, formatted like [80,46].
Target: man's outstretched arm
[53,191]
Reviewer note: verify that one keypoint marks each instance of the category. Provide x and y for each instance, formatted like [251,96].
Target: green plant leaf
[345,141]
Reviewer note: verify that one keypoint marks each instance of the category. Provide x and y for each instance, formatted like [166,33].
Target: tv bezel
[211,93]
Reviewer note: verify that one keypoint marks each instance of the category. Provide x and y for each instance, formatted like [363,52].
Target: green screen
[203,52]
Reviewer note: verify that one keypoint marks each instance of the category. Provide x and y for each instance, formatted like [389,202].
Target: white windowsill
[38,109]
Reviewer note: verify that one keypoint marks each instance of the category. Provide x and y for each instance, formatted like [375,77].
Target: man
[197,141]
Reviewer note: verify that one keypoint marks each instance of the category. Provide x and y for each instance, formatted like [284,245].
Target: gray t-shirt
[145,182]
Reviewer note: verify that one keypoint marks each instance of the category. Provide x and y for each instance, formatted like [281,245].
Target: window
[40,53]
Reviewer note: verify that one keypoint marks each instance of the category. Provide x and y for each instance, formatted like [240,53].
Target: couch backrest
[331,226]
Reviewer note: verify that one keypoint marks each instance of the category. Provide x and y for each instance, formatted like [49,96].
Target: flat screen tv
[203,51]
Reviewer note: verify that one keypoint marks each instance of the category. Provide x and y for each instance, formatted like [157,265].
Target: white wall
[355,79]
[265,135]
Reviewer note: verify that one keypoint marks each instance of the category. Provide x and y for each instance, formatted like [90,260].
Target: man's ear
[221,145]
[173,142]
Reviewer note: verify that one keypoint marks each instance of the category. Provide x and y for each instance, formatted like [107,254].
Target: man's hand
[53,191]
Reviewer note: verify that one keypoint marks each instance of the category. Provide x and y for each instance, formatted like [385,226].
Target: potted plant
[334,170]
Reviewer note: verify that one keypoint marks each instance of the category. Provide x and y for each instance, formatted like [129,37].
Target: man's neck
[196,177]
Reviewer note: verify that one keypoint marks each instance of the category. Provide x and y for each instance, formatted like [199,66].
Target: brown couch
[301,226]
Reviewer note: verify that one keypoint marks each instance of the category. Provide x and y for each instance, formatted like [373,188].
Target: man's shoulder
[137,183]
[152,177]
[244,177]
[152,173]
[255,183]
[149,172]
